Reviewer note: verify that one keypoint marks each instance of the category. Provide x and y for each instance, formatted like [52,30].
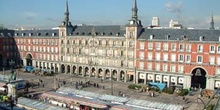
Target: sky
[46,14]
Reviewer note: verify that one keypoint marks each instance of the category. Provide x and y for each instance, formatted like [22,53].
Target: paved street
[48,85]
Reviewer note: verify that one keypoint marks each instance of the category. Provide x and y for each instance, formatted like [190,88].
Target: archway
[74,69]
[87,71]
[68,69]
[80,70]
[100,73]
[107,73]
[93,72]
[1,60]
[198,78]
[122,75]
[29,60]
[62,68]
[114,75]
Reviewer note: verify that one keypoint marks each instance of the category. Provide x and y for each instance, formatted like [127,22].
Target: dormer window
[103,33]
[23,34]
[117,34]
[96,33]
[46,34]
[83,33]
[16,34]
[167,37]
[38,34]
[77,33]
[151,37]
[30,34]
[110,33]
[89,33]
[53,34]
[9,34]
[201,38]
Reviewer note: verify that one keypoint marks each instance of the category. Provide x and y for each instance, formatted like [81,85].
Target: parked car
[28,68]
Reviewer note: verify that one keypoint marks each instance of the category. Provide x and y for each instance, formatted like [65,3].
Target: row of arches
[94,72]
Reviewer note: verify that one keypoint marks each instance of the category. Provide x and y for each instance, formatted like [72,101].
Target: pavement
[48,84]
[3,106]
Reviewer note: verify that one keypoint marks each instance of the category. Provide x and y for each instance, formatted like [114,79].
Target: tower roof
[212,23]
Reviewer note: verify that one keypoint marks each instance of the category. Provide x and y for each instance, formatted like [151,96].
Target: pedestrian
[184,98]
[43,85]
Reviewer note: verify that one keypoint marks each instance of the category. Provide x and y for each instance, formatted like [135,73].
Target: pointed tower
[212,27]
[133,30]
[66,26]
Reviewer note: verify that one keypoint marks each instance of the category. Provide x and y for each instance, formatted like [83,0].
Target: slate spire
[212,23]
[134,10]
[67,13]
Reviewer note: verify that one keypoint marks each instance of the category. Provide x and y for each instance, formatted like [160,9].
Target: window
[164,67]
[212,49]
[131,44]
[188,58]
[142,46]
[150,56]
[218,60]
[200,48]
[142,55]
[149,66]
[180,69]
[157,46]
[158,56]
[181,47]
[218,49]
[173,47]
[165,57]
[165,47]
[188,48]
[173,57]
[150,46]
[199,59]
[141,65]
[131,34]
[158,67]
[172,68]
[217,71]
[181,58]
[211,60]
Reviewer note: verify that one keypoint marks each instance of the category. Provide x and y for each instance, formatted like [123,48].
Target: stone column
[25,62]
[90,71]
[145,79]
[83,72]
[118,76]
[168,81]
[136,77]
[34,63]
[210,83]
[186,82]
[104,74]
[154,75]
[59,68]
[161,78]
[96,73]
[65,69]
[126,77]
[71,70]
[111,74]
[54,67]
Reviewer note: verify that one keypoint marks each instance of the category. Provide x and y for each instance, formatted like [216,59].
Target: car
[191,93]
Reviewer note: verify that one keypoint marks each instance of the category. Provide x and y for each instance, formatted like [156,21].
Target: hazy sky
[50,13]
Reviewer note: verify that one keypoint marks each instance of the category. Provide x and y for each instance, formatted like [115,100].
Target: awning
[161,86]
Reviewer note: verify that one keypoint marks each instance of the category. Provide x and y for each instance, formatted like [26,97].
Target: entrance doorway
[198,79]
[29,60]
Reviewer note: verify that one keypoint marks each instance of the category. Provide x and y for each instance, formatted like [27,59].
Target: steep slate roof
[191,34]
[111,30]
[6,33]
[44,33]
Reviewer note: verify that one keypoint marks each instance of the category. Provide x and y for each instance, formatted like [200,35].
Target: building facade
[175,57]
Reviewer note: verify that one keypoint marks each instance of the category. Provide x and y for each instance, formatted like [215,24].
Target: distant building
[155,22]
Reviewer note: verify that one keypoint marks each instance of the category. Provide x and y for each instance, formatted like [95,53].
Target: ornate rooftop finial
[67,13]
[212,23]
[134,10]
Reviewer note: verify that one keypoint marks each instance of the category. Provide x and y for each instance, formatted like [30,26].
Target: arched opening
[107,73]
[56,68]
[68,69]
[87,71]
[62,68]
[29,60]
[122,75]
[198,79]
[80,70]
[100,73]
[1,60]
[93,72]
[114,75]
[74,69]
